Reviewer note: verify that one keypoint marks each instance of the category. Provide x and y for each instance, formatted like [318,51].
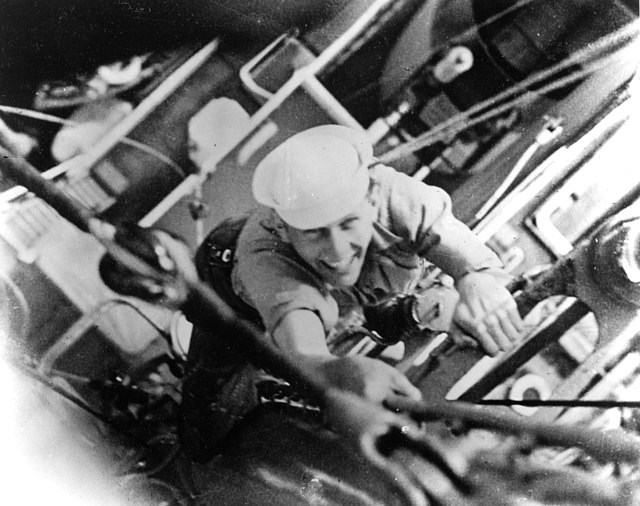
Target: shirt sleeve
[270,278]
[423,214]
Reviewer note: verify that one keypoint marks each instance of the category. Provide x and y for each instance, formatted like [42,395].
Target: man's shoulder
[261,223]
[382,172]
[402,193]
[263,234]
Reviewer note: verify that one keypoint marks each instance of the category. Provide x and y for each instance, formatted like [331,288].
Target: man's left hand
[488,312]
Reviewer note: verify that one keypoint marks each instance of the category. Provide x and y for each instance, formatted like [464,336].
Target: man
[332,222]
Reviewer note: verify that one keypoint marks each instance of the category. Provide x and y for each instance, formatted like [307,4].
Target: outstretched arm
[486,310]
[301,334]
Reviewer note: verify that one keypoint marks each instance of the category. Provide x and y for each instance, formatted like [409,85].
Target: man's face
[337,251]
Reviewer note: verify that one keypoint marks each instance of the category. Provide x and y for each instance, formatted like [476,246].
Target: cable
[125,140]
[606,446]
[445,128]
[460,37]
[455,124]
[549,132]
[19,366]
[564,403]
[155,153]
[20,111]
[22,301]
[451,126]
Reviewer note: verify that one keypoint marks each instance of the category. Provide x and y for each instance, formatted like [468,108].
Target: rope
[50,118]
[464,120]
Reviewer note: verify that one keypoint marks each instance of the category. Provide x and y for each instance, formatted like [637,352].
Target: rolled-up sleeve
[424,215]
[273,281]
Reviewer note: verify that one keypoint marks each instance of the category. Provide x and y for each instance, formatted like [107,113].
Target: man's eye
[312,234]
[349,224]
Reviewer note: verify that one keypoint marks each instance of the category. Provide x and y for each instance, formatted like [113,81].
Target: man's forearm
[459,251]
[301,333]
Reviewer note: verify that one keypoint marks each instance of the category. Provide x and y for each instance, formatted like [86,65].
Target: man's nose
[337,245]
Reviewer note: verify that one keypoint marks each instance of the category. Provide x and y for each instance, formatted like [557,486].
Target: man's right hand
[366,377]
[301,335]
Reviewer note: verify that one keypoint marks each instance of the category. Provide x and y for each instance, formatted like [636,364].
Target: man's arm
[298,312]
[486,310]
[301,334]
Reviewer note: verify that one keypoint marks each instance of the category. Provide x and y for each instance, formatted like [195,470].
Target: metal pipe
[201,300]
[155,98]
[609,446]
[310,70]
[329,103]
[25,174]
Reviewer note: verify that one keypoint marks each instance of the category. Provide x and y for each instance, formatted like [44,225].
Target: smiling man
[333,220]
[336,227]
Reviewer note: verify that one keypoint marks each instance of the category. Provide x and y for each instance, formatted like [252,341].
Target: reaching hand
[366,377]
[488,312]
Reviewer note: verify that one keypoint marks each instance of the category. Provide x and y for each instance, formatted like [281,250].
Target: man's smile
[336,251]
[340,266]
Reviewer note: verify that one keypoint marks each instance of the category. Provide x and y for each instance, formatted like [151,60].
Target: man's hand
[366,377]
[488,312]
[301,335]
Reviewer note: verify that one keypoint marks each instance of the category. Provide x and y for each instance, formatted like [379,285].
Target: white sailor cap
[316,176]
